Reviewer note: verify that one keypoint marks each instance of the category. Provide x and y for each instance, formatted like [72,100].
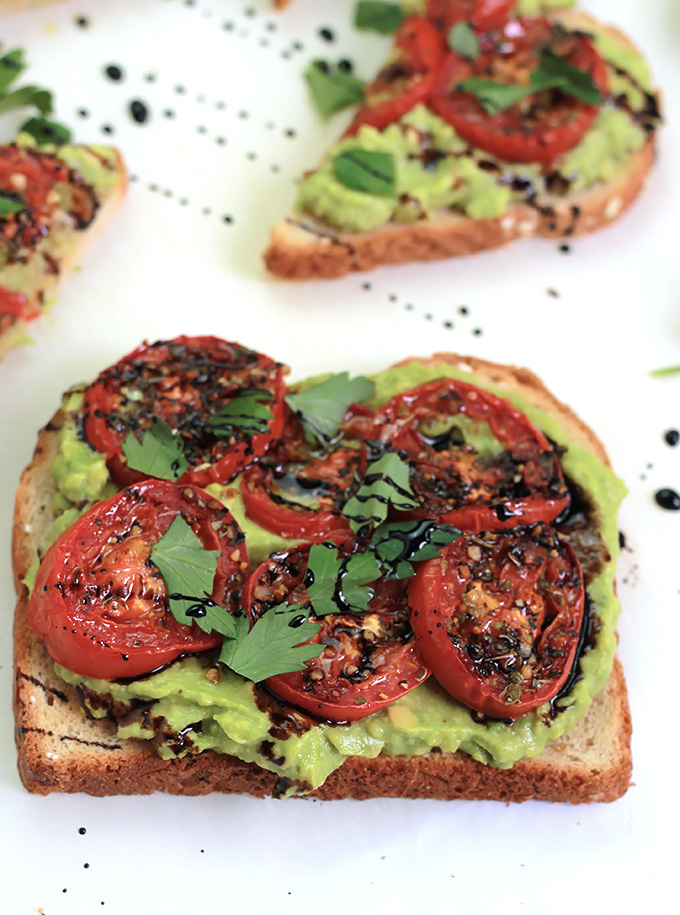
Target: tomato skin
[487,651]
[450,483]
[333,476]
[542,127]
[481,14]
[379,643]
[101,610]
[183,382]
[406,81]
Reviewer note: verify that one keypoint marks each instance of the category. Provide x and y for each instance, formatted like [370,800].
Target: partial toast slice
[304,247]
[59,749]
[78,207]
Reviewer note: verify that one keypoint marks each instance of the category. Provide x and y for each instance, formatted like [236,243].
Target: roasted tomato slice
[369,659]
[541,127]
[298,492]
[185,382]
[29,176]
[406,80]
[100,607]
[498,618]
[15,306]
[481,14]
[476,461]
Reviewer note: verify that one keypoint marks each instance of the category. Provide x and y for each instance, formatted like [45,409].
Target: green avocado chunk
[232,716]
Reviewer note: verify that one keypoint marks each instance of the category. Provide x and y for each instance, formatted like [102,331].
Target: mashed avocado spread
[220,711]
[436,170]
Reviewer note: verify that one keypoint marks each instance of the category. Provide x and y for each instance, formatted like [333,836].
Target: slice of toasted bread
[302,247]
[59,749]
[57,252]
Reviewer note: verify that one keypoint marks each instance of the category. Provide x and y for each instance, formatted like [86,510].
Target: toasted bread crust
[59,749]
[303,248]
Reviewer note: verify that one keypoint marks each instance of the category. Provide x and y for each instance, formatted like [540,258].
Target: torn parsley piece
[386,483]
[246,412]
[159,453]
[322,407]
[331,88]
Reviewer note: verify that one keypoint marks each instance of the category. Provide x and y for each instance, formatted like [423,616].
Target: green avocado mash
[426,718]
[436,170]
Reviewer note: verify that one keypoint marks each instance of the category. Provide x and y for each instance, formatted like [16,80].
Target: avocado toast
[272,747]
[440,185]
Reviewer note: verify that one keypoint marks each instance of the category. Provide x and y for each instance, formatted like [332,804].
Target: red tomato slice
[277,491]
[457,485]
[481,14]
[539,128]
[498,618]
[15,306]
[407,80]
[184,382]
[369,659]
[101,608]
[29,175]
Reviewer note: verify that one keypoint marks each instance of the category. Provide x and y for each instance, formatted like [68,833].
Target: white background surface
[165,267]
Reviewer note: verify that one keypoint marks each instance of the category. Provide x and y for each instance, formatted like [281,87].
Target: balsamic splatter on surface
[668,499]
[672,437]
[114,72]
[139,111]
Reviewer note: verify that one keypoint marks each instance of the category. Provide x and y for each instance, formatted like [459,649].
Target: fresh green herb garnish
[400,543]
[322,407]
[464,41]
[272,646]
[553,72]
[45,131]
[10,205]
[12,64]
[367,171]
[668,370]
[331,88]
[337,585]
[189,573]
[378,17]
[246,412]
[160,452]
[386,483]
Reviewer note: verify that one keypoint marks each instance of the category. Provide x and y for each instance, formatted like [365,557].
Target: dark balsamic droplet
[114,72]
[327,34]
[139,111]
[672,437]
[345,65]
[622,540]
[565,249]
[82,22]
[82,830]
[463,310]
[668,499]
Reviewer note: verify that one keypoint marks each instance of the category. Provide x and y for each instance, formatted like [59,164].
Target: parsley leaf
[668,370]
[386,482]
[378,17]
[322,407]
[553,72]
[10,204]
[332,89]
[12,64]
[336,584]
[367,171]
[272,646]
[400,543]
[189,573]
[160,453]
[45,131]
[246,412]
[463,40]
